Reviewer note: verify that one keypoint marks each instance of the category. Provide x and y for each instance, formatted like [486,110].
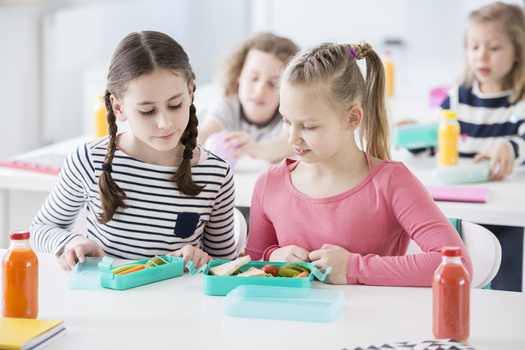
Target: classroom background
[55,54]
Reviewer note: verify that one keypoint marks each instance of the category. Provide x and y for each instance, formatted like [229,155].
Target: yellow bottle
[101,124]
[389,72]
[448,135]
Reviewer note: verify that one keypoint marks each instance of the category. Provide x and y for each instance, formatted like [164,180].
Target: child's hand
[501,160]
[335,256]
[243,144]
[189,252]
[76,250]
[291,253]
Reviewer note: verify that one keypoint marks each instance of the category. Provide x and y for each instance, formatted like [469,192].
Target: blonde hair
[512,21]
[231,67]
[332,71]
[136,55]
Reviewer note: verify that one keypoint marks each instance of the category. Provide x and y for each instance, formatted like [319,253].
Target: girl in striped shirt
[148,191]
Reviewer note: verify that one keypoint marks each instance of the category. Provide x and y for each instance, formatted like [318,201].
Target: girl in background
[339,204]
[152,190]
[490,104]
[248,111]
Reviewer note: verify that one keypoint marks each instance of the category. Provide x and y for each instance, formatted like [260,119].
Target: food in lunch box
[292,270]
[270,269]
[155,261]
[253,272]
[125,269]
[229,268]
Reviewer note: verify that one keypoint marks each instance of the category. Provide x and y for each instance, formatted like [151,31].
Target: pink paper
[459,193]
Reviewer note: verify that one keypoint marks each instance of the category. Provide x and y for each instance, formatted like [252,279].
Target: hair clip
[188,153]
[107,167]
[352,51]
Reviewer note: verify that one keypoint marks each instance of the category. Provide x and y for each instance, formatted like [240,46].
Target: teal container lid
[284,303]
[462,173]
[416,135]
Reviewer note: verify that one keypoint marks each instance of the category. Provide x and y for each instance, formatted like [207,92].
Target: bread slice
[228,268]
[253,272]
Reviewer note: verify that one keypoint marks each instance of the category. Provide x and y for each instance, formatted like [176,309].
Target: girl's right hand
[291,253]
[76,250]
[501,160]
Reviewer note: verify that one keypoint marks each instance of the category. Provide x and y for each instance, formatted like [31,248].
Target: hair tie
[188,153]
[107,167]
[352,51]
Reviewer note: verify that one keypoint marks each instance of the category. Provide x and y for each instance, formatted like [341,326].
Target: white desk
[176,314]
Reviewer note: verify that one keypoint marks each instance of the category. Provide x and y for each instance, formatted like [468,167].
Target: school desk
[175,314]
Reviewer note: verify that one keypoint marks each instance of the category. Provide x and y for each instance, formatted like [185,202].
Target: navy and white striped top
[159,219]
[486,119]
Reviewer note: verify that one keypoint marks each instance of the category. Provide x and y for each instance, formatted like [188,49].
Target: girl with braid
[343,203]
[151,190]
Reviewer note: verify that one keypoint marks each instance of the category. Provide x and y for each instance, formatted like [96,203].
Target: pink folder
[459,193]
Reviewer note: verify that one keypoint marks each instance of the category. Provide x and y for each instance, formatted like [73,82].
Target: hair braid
[111,195]
[183,176]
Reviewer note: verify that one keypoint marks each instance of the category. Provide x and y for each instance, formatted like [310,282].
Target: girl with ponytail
[151,190]
[342,202]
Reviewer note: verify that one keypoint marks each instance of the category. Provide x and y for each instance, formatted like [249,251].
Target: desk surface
[175,313]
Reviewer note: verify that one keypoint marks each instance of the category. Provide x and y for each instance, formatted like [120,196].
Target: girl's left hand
[501,160]
[189,252]
[243,144]
[335,256]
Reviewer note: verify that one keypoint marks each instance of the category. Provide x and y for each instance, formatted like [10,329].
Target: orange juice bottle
[101,124]
[451,297]
[448,136]
[20,278]
[389,72]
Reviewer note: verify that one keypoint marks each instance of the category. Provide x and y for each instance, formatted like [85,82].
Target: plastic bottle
[101,124]
[448,135]
[389,72]
[451,297]
[20,278]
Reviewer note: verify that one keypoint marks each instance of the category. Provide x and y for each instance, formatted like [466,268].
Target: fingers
[68,260]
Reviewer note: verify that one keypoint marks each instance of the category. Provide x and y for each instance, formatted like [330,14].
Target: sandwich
[230,267]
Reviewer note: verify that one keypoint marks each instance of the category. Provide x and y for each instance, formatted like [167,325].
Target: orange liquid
[448,135]
[451,303]
[20,284]
[101,124]
[389,72]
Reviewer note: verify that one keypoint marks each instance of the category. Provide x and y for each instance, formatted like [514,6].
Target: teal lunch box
[222,285]
[416,135]
[174,268]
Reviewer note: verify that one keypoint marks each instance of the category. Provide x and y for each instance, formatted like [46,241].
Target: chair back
[240,230]
[484,250]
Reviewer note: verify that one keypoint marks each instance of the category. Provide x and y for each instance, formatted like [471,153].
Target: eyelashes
[152,111]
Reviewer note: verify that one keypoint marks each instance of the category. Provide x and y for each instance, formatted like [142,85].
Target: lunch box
[174,268]
[416,135]
[284,303]
[222,285]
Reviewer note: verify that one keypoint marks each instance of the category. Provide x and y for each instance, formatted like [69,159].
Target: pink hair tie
[352,51]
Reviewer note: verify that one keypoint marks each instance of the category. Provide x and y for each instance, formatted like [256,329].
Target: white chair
[484,250]
[240,230]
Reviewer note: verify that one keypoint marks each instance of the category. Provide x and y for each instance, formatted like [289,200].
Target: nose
[293,134]
[483,53]
[163,120]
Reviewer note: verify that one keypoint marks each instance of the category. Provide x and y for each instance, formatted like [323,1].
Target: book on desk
[29,334]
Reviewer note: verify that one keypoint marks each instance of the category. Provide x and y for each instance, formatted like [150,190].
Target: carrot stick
[137,268]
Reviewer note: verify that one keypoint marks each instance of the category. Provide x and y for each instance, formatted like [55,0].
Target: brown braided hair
[332,70]
[138,54]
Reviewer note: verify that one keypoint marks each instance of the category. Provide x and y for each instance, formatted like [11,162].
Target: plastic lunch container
[174,268]
[284,303]
[462,173]
[222,285]
[416,135]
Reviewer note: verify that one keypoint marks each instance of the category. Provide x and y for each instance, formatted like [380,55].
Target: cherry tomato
[271,269]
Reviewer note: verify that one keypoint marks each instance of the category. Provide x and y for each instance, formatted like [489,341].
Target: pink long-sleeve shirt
[374,221]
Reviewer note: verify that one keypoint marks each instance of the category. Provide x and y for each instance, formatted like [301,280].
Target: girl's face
[257,82]
[490,55]
[315,131]
[156,107]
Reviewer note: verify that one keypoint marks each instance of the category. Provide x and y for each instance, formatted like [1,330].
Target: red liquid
[451,302]
[20,284]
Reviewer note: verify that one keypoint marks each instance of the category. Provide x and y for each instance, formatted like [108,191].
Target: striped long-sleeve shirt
[158,220]
[486,119]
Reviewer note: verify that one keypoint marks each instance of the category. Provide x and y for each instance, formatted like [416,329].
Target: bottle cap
[451,251]
[18,234]
[448,114]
